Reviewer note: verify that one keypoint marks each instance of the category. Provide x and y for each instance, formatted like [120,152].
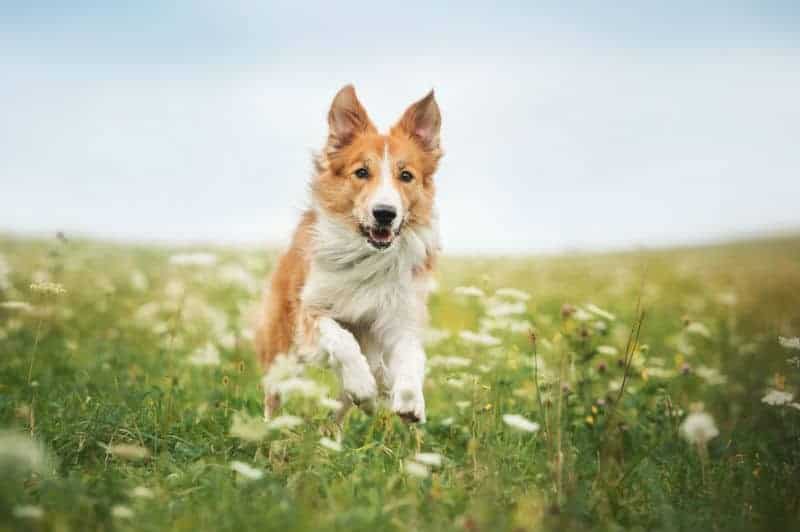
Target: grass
[108,424]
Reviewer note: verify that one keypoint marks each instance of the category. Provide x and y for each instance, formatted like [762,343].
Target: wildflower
[597,311]
[208,355]
[479,338]
[609,350]
[698,328]
[300,386]
[246,471]
[433,336]
[446,422]
[449,361]
[567,310]
[139,281]
[513,293]
[46,287]
[468,291]
[331,404]
[711,375]
[686,368]
[235,274]
[331,445]
[27,511]
[415,469]
[127,451]
[429,459]
[193,259]
[462,404]
[142,492]
[789,343]
[121,512]
[699,428]
[16,305]
[499,308]
[285,422]
[777,398]
[248,428]
[520,423]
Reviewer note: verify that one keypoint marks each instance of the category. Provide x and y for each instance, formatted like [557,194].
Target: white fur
[374,307]
[386,192]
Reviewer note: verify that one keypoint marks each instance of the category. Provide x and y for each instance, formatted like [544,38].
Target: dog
[351,291]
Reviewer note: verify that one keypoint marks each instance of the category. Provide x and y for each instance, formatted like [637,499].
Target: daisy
[520,423]
[699,428]
[777,398]
[246,471]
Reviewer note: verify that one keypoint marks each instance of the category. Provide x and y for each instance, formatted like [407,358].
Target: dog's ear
[347,118]
[422,121]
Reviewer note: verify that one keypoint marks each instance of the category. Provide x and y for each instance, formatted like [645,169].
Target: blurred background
[566,127]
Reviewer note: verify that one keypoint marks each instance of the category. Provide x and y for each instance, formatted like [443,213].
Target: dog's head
[378,184]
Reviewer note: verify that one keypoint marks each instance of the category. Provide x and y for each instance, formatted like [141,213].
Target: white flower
[468,291]
[248,428]
[193,259]
[285,422]
[208,355]
[5,270]
[698,428]
[462,404]
[449,362]
[142,492]
[48,288]
[519,422]
[777,398]
[447,421]
[711,375]
[284,367]
[247,471]
[433,336]
[498,309]
[235,274]
[330,444]
[789,343]
[27,511]
[513,293]
[597,311]
[698,328]
[139,281]
[16,305]
[609,350]
[796,406]
[415,469]
[300,386]
[121,512]
[429,459]
[331,404]
[127,451]
[479,338]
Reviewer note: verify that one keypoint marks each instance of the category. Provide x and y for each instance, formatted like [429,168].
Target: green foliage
[118,397]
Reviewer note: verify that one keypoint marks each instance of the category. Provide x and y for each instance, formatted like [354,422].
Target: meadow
[650,390]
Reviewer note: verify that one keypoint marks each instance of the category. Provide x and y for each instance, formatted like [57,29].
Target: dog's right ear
[347,118]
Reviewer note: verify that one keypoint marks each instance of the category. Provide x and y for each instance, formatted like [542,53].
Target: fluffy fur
[351,290]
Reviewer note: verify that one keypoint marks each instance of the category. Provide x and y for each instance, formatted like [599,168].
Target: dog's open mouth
[379,237]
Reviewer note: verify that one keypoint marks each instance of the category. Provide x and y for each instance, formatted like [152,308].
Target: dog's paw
[360,387]
[408,401]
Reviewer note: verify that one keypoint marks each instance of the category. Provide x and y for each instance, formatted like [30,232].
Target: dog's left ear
[422,122]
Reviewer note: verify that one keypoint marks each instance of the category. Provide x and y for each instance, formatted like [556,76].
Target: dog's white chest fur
[354,283]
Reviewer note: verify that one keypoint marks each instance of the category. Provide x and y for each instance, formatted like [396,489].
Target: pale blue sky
[580,126]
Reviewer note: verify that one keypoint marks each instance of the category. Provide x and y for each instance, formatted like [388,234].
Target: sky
[566,126]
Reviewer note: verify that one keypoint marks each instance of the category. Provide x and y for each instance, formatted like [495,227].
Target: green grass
[107,363]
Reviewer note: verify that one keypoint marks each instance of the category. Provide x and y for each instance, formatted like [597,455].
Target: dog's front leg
[406,368]
[345,356]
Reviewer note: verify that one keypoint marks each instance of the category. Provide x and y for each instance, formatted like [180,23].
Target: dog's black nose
[384,214]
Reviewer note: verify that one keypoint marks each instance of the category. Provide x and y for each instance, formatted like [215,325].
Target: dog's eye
[362,173]
[406,176]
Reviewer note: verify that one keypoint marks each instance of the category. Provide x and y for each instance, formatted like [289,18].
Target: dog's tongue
[380,235]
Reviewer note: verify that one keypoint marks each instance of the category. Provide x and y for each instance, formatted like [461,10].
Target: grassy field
[647,391]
